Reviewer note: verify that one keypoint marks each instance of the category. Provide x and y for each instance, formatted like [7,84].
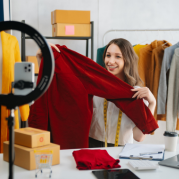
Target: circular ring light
[10,100]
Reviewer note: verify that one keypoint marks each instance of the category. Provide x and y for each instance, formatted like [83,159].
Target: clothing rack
[137,30]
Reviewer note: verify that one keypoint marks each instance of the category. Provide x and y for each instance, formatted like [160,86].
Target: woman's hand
[39,53]
[146,94]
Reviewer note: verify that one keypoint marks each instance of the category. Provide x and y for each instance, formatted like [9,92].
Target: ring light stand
[12,101]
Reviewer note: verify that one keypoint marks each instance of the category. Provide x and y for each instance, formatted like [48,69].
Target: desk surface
[67,168]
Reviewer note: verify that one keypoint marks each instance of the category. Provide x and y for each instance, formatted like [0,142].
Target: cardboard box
[33,59]
[31,137]
[70,16]
[25,157]
[72,30]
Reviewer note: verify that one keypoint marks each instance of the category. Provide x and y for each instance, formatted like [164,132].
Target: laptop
[171,162]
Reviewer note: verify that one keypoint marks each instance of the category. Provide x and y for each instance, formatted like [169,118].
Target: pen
[150,153]
[143,158]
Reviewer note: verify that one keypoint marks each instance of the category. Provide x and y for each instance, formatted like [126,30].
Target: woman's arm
[138,135]
[146,94]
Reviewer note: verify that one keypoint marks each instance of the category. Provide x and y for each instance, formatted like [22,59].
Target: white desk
[67,168]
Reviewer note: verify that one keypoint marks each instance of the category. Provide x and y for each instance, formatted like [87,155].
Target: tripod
[20,85]
[10,120]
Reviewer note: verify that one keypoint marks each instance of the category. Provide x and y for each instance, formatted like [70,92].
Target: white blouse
[97,129]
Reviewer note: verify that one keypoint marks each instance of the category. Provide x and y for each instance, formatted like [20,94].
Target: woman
[120,60]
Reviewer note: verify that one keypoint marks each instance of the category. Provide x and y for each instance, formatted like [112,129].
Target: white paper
[136,149]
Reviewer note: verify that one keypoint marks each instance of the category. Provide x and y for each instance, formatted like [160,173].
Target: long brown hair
[130,61]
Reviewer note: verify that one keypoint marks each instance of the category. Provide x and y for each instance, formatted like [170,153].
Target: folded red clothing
[87,159]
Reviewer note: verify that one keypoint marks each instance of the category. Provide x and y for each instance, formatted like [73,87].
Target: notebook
[143,165]
[134,151]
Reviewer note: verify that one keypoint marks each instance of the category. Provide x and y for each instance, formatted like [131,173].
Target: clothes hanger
[164,44]
[54,46]
[162,40]
[171,36]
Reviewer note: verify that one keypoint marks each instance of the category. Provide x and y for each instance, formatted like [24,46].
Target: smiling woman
[109,126]
[114,61]
[121,53]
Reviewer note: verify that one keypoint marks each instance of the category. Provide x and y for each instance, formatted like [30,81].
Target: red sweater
[68,102]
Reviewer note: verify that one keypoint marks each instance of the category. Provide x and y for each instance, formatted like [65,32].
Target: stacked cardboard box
[26,141]
[70,23]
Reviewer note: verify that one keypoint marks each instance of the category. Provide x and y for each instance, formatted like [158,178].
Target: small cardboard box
[70,16]
[33,59]
[25,157]
[73,30]
[31,137]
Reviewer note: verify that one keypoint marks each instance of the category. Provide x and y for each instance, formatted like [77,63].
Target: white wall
[106,14]
[138,14]
[6,10]
[37,13]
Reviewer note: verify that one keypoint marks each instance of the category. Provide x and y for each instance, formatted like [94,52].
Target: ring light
[10,100]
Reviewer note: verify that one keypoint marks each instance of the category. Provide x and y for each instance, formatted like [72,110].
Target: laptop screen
[171,162]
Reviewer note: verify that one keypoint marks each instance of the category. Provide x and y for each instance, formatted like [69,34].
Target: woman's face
[114,61]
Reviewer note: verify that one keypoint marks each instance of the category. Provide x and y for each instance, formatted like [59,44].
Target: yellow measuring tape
[118,123]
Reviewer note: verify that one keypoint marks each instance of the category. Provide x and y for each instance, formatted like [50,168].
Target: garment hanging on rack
[145,67]
[157,58]
[173,93]
[137,48]
[68,100]
[162,89]
[150,62]
[10,55]
[99,59]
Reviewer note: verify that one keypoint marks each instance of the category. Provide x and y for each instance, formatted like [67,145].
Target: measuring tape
[118,124]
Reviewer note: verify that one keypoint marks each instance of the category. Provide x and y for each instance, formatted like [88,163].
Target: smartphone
[23,71]
[115,174]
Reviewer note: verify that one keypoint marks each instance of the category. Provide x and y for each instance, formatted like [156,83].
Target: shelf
[23,38]
[62,37]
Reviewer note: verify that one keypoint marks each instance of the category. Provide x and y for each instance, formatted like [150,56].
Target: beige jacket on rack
[149,66]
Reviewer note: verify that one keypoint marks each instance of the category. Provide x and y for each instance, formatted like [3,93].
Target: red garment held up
[68,102]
